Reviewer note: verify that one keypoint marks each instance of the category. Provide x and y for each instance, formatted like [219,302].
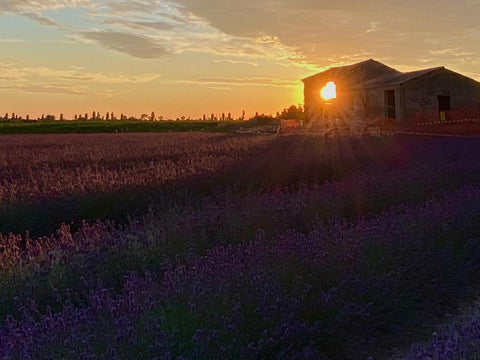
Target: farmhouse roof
[396,79]
[355,73]
[368,74]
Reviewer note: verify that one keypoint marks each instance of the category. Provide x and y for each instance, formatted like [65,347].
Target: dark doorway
[390,104]
[444,102]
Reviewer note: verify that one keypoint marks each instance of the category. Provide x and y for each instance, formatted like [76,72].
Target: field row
[115,126]
[53,166]
[306,292]
[278,247]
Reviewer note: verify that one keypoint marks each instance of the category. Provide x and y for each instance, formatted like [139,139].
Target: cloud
[19,74]
[373,26]
[132,6]
[38,17]
[70,81]
[442,51]
[33,9]
[301,32]
[241,49]
[249,81]
[235,62]
[219,88]
[66,89]
[133,45]
[319,29]
[144,11]
[452,51]
[163,28]
[141,25]
[425,60]
[41,5]
[11,41]
[304,33]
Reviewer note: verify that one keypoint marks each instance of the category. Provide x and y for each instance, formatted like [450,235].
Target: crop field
[66,177]
[113,126]
[239,246]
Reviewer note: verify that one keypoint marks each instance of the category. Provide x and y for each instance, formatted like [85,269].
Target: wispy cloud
[19,74]
[33,8]
[442,51]
[41,5]
[171,27]
[66,89]
[451,51]
[373,26]
[319,30]
[346,59]
[151,28]
[219,88]
[141,25]
[235,62]
[37,16]
[302,34]
[249,81]
[133,45]
[124,7]
[10,41]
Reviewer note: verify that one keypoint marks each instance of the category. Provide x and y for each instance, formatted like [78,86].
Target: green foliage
[262,120]
[293,112]
[48,126]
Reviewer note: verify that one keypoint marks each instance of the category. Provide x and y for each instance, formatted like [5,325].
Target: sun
[329,91]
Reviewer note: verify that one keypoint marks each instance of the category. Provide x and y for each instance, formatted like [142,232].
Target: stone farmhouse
[373,92]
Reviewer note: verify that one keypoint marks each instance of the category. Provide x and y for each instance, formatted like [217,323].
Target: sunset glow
[189,57]
[329,91]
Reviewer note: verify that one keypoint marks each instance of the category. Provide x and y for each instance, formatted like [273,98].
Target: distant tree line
[292,112]
[110,116]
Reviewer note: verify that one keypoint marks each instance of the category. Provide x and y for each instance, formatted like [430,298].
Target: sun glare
[329,91]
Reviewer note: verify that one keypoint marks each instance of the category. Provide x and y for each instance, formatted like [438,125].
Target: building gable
[372,90]
[351,75]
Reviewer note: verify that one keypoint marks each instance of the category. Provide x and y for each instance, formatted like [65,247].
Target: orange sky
[195,57]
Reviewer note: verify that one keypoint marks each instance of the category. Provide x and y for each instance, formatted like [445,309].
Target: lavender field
[67,176]
[238,247]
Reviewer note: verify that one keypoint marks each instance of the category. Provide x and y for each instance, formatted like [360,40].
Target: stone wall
[415,96]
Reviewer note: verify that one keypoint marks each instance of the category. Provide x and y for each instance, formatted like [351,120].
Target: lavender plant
[342,269]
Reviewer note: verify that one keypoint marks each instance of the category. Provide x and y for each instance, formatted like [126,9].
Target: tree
[293,112]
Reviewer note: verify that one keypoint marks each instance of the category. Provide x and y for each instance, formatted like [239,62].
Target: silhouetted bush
[262,120]
[293,112]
